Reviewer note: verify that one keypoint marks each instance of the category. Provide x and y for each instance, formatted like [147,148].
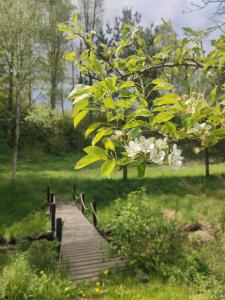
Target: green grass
[126,287]
[187,191]
[185,188]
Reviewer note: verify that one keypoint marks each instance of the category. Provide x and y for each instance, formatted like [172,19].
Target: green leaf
[142,113]
[189,31]
[127,84]
[109,145]
[96,151]
[212,95]
[109,103]
[167,99]
[79,117]
[92,128]
[120,113]
[81,97]
[96,65]
[79,90]
[85,161]
[110,83]
[125,161]
[162,117]
[75,18]
[79,106]
[141,170]
[161,85]
[137,123]
[157,39]
[107,167]
[70,56]
[101,134]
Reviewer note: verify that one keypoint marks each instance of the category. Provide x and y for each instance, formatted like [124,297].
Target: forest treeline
[37,71]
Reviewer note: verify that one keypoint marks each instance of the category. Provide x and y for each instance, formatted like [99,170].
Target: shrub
[143,236]
[19,282]
[42,255]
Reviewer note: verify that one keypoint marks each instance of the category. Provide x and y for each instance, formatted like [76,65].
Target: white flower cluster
[155,150]
[200,129]
[174,158]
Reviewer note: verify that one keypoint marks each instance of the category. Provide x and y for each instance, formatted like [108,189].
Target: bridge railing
[56,223]
[81,203]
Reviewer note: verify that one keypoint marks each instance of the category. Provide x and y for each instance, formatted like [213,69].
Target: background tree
[54,45]
[18,26]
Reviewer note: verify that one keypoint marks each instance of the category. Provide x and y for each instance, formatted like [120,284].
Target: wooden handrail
[82,202]
[94,213]
[75,197]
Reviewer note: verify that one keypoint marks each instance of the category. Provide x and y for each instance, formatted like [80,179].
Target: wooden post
[59,226]
[94,211]
[206,162]
[74,192]
[48,195]
[52,200]
[82,199]
[53,214]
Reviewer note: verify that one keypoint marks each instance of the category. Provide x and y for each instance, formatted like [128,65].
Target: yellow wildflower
[97,290]
[106,272]
[97,283]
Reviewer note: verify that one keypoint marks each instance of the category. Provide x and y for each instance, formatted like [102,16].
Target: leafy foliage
[118,91]
[143,235]
[19,281]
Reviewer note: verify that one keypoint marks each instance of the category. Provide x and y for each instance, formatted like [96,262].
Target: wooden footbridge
[82,248]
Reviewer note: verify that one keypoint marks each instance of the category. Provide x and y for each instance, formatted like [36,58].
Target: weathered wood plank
[83,249]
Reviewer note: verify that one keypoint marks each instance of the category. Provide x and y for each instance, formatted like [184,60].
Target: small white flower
[161,143]
[118,133]
[175,159]
[157,156]
[146,145]
[200,129]
[133,148]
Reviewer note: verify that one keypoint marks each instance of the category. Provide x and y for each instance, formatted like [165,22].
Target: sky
[154,10]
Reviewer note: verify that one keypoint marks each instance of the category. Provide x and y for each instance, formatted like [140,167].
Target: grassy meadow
[185,191]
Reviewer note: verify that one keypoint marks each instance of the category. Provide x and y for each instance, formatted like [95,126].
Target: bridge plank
[83,249]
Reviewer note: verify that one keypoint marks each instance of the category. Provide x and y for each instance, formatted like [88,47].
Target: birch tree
[17,26]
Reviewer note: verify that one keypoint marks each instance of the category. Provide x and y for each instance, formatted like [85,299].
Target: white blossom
[174,158]
[200,128]
[161,143]
[155,151]
[118,133]
[146,145]
[157,156]
[133,148]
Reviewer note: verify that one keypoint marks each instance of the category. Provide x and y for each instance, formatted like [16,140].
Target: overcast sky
[154,10]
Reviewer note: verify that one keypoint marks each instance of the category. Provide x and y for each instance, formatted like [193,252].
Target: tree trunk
[125,173]
[207,173]
[53,91]
[10,102]
[16,133]
[73,75]
[30,92]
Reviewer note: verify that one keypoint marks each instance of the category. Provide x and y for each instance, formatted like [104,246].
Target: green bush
[42,255]
[19,282]
[143,235]
[30,226]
